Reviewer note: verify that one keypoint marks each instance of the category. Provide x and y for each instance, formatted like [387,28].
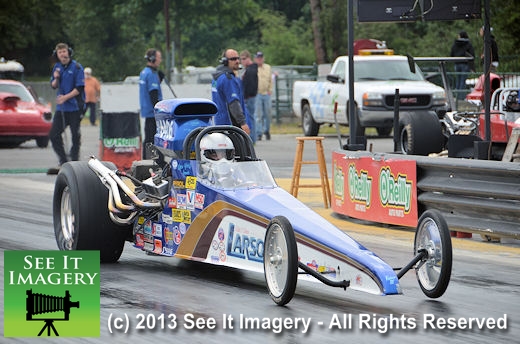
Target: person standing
[68,80]
[92,94]
[493,58]
[149,94]
[462,47]
[250,83]
[263,98]
[227,93]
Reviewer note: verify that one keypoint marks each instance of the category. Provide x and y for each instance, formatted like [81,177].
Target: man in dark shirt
[250,83]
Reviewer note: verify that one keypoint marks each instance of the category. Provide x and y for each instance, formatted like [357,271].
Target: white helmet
[216,148]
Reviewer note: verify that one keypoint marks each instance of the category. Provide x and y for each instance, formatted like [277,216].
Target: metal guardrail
[474,196]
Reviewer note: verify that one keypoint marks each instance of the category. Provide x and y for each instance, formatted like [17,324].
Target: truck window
[387,70]
[339,70]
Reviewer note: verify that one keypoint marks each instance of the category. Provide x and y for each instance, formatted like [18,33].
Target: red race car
[22,116]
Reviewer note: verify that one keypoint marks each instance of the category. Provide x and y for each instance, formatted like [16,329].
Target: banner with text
[382,191]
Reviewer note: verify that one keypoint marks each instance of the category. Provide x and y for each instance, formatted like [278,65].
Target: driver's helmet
[216,148]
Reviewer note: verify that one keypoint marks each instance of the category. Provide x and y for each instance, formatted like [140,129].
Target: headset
[55,52]
[224,60]
[150,55]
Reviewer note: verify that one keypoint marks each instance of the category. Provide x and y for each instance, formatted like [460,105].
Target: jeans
[92,108]
[263,114]
[250,106]
[60,121]
[460,83]
[150,127]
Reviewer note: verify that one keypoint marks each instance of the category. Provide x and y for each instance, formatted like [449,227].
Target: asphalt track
[484,279]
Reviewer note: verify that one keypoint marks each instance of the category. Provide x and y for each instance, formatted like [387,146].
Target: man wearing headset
[227,92]
[149,94]
[69,81]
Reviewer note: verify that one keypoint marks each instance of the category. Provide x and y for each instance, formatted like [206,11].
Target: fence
[286,76]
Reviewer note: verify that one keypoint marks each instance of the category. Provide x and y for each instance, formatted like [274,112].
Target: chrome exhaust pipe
[112,181]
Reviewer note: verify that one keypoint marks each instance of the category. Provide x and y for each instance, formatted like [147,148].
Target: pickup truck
[376,77]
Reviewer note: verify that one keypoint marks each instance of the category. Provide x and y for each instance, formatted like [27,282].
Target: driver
[216,154]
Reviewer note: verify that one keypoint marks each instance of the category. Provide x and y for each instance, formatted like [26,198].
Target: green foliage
[111,36]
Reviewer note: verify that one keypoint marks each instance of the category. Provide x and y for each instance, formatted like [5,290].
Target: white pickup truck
[376,77]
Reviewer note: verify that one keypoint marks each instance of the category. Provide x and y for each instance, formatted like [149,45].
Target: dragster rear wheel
[80,212]
[434,270]
[280,260]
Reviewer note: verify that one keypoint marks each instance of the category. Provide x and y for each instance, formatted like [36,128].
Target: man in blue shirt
[227,93]
[149,94]
[69,81]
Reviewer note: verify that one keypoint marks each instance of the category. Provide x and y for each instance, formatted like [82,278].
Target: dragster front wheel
[280,260]
[433,237]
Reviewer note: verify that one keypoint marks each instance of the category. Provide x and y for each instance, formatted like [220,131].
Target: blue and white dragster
[182,205]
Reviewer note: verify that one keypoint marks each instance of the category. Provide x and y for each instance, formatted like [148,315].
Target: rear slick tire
[80,213]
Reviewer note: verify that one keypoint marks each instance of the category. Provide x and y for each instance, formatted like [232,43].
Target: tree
[320,48]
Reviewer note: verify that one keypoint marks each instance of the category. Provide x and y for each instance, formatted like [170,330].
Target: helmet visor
[219,154]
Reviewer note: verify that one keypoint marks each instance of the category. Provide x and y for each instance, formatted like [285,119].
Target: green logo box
[51,293]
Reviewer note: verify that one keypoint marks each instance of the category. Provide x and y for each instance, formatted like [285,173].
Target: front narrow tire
[280,260]
[433,236]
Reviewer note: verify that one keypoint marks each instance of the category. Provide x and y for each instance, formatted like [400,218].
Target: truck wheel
[421,133]
[310,127]
[80,213]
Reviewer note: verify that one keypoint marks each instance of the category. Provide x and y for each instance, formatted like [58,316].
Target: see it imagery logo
[51,293]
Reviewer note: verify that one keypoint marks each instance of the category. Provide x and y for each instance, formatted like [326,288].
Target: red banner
[382,191]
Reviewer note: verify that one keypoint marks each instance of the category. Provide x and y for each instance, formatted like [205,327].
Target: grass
[293,126]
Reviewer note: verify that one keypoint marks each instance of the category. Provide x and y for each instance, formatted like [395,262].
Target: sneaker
[53,170]
[259,138]
[267,135]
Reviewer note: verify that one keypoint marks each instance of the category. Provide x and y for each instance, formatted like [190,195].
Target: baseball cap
[88,70]
[259,54]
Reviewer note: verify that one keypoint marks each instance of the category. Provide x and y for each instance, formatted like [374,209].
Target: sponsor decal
[396,192]
[168,236]
[190,199]
[148,227]
[199,200]
[182,228]
[178,184]
[157,246]
[165,129]
[157,230]
[177,236]
[166,218]
[360,186]
[191,182]
[180,215]
[244,246]
[119,144]
[167,251]
[172,201]
[148,238]
[339,184]
[139,240]
[181,201]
